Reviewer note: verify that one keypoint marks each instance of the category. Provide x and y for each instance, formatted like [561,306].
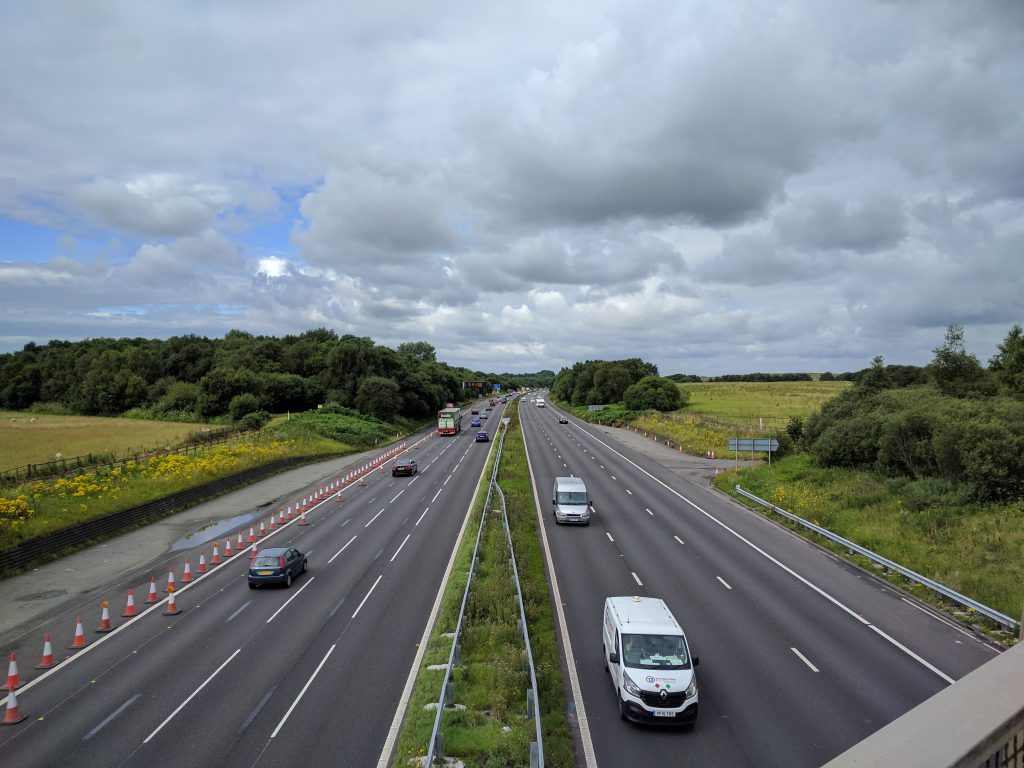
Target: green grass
[24,441]
[492,679]
[758,405]
[973,549]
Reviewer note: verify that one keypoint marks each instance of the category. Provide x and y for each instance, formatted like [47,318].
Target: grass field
[758,405]
[24,441]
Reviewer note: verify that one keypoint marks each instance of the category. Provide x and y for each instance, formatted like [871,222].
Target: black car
[563,420]
[474,412]
[276,565]
[481,437]
[404,467]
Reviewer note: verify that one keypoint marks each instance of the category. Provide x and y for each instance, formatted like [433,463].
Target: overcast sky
[716,187]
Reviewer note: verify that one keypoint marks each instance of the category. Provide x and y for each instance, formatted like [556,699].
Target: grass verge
[492,679]
[973,549]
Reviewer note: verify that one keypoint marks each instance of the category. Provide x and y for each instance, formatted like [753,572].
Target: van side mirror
[613,657]
[696,660]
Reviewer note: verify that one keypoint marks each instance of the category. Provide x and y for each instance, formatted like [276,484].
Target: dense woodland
[633,382]
[194,378]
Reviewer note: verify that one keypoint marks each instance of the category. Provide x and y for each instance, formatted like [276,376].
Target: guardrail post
[439,747]
[449,694]
[534,755]
[529,702]
[457,655]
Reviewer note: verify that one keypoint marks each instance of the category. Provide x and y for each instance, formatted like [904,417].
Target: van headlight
[631,688]
[691,689]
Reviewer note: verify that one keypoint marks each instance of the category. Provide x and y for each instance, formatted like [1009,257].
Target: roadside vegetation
[491,680]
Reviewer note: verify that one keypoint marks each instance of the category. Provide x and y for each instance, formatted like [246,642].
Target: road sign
[505,420]
[764,444]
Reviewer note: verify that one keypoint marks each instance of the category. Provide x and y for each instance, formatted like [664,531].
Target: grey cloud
[156,206]
[824,223]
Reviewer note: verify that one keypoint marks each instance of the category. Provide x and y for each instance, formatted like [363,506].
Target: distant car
[483,416]
[475,423]
[276,565]
[488,407]
[404,467]
[563,420]
[481,437]
[474,412]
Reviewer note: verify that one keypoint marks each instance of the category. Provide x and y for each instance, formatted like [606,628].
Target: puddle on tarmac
[211,531]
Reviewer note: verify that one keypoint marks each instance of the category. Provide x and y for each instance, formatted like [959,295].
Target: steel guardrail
[1001,619]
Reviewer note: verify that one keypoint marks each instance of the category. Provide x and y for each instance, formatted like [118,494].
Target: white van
[648,658]
[570,502]
[540,402]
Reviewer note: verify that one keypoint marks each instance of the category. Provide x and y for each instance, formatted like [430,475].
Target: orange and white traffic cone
[263,532]
[186,575]
[273,524]
[302,519]
[151,597]
[252,535]
[48,660]
[289,511]
[252,556]
[170,580]
[280,517]
[202,562]
[215,558]
[129,609]
[362,481]
[13,714]
[13,681]
[227,549]
[172,608]
[79,641]
[104,618]
[240,544]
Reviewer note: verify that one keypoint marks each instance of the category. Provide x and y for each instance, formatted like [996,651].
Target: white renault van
[570,502]
[648,658]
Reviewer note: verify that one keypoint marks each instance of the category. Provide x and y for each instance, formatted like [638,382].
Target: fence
[1005,622]
[436,748]
[46,547]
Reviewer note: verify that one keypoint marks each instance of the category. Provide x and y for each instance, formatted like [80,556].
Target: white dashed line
[424,514]
[724,583]
[804,659]
[637,579]
[399,548]
[341,550]
[678,539]
[609,536]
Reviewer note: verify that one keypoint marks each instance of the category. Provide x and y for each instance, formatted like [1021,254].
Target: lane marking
[367,595]
[631,493]
[724,583]
[803,580]
[297,593]
[399,548]
[374,518]
[609,536]
[423,515]
[436,495]
[191,696]
[303,691]
[397,495]
[245,605]
[805,660]
[637,578]
[341,550]
[110,717]
[678,539]
[649,512]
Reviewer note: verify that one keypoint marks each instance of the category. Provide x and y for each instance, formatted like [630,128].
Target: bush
[242,405]
[255,420]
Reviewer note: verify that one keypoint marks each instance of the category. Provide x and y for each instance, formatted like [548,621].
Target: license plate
[264,573]
[664,713]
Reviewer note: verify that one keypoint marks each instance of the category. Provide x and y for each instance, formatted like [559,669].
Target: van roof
[569,480]
[643,615]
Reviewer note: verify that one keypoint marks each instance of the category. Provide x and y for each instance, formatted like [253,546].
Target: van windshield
[655,652]
[572,497]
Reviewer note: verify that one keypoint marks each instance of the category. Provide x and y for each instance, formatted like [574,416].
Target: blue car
[481,437]
[475,423]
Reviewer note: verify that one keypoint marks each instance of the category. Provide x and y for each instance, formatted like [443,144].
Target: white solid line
[436,495]
[341,550]
[609,536]
[841,606]
[245,605]
[397,495]
[192,696]
[368,595]
[636,578]
[303,691]
[285,605]
[678,539]
[374,518]
[940,619]
[804,659]
[723,582]
[423,515]
[110,717]
[399,548]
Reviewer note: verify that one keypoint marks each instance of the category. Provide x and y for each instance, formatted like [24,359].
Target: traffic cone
[79,641]
[239,545]
[273,524]
[302,520]
[362,481]
[280,517]
[186,575]
[105,618]
[254,553]
[12,675]
[227,549]
[215,558]
[382,469]
[252,535]
[172,609]
[202,562]
[170,580]
[48,660]
[129,609]
[13,714]
[263,531]
[289,511]
[151,597]
[338,496]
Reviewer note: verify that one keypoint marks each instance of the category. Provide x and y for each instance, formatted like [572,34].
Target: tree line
[632,382]
[195,378]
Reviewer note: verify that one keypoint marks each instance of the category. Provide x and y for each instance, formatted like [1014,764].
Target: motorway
[311,675]
[801,654]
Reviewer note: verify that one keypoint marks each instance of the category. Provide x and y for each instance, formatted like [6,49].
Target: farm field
[23,441]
